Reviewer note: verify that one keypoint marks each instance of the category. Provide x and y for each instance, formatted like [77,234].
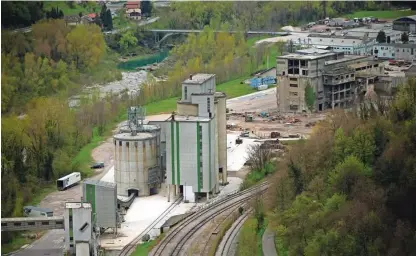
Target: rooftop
[100,183]
[308,54]
[138,136]
[338,70]
[198,78]
[334,36]
[398,45]
[181,118]
[344,59]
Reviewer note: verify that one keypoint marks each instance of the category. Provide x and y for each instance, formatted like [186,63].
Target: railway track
[130,247]
[174,242]
[227,241]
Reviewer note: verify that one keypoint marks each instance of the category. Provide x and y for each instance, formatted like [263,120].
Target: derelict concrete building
[330,74]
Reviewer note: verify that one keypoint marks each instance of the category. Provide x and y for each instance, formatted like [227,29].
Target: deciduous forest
[350,188]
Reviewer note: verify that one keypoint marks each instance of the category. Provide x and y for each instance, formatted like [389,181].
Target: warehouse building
[407,24]
[194,140]
[330,74]
[395,51]
[353,45]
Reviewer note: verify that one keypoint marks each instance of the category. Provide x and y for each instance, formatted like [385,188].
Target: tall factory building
[195,140]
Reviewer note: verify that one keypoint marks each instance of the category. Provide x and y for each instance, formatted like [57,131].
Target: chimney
[190,77]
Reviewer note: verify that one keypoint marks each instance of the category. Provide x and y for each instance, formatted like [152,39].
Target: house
[133,10]
[89,18]
[72,20]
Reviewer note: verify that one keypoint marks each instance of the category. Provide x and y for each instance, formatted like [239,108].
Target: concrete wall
[221,119]
[202,102]
[186,109]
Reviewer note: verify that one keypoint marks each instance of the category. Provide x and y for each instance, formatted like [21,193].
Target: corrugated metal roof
[100,183]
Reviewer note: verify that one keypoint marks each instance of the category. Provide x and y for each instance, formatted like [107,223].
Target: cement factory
[182,156]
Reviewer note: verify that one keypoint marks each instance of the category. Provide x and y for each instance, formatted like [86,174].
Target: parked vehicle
[33,211]
[68,180]
[97,165]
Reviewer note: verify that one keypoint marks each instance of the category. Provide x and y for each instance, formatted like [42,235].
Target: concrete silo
[137,157]
[221,116]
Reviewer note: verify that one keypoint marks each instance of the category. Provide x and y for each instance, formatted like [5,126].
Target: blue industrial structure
[256,82]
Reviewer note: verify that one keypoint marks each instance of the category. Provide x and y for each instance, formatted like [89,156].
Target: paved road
[269,248]
[52,243]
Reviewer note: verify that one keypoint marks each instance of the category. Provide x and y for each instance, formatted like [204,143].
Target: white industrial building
[393,36]
[395,51]
[352,45]
[194,140]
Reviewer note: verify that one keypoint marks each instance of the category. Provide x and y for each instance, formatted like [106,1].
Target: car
[97,165]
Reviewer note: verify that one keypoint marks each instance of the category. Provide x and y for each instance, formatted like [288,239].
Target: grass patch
[83,159]
[292,142]
[144,248]
[255,176]
[234,88]
[250,241]
[17,243]
[390,14]
[42,193]
[252,40]
[89,7]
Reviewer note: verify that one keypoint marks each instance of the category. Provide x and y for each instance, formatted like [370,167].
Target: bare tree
[259,155]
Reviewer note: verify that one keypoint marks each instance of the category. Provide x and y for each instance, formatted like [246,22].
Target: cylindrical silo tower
[136,163]
[221,115]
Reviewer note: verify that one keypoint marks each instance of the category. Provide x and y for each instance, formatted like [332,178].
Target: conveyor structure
[33,223]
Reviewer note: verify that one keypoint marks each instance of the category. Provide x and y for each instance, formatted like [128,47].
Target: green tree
[381,37]
[405,38]
[86,46]
[146,7]
[310,97]
[346,175]
[127,41]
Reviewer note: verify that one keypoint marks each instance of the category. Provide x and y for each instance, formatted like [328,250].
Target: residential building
[133,10]
[407,24]
[72,20]
[405,52]
[194,139]
[330,74]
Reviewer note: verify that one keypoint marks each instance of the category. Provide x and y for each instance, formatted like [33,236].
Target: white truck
[68,180]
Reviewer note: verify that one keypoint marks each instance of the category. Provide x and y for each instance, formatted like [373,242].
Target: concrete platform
[237,155]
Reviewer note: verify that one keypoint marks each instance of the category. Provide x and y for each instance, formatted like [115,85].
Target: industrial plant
[194,140]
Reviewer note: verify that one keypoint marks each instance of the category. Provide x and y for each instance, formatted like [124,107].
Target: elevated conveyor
[32,223]
[124,203]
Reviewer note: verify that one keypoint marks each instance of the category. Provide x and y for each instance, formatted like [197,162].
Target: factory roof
[100,183]
[308,54]
[335,36]
[198,78]
[398,45]
[344,59]
[338,70]
[181,118]
[407,18]
[129,136]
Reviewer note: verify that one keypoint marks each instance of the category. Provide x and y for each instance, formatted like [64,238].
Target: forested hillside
[258,15]
[351,188]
